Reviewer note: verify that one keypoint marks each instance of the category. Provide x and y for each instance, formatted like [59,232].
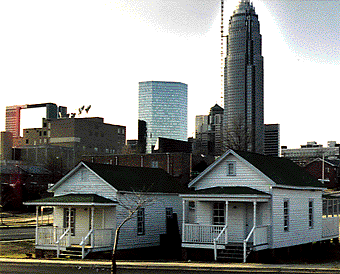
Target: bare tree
[238,136]
[131,203]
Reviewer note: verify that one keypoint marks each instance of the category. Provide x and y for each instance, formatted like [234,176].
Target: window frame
[311,213]
[73,220]
[141,221]
[286,215]
[231,171]
[218,216]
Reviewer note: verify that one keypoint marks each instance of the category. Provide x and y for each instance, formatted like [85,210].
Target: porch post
[184,219]
[254,220]
[69,226]
[226,223]
[42,215]
[92,226]
[37,224]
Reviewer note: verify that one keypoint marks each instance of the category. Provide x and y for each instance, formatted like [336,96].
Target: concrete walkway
[189,266]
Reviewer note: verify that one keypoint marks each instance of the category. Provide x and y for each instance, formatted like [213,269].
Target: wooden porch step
[233,252]
[73,252]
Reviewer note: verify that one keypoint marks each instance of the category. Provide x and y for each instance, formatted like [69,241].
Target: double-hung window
[286,215]
[231,168]
[219,213]
[310,214]
[141,221]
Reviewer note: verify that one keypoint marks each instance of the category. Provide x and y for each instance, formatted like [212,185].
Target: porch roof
[234,191]
[74,199]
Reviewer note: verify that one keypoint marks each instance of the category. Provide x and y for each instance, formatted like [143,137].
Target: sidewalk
[188,266]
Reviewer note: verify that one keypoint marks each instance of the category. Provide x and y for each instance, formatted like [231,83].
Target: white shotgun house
[88,204]
[249,202]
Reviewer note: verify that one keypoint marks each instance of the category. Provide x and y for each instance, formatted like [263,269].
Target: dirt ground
[19,249]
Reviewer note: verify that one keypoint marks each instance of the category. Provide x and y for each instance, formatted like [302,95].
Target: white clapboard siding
[84,181]
[245,176]
[299,230]
[155,222]
[204,212]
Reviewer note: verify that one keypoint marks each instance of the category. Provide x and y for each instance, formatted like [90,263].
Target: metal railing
[245,244]
[225,232]
[61,240]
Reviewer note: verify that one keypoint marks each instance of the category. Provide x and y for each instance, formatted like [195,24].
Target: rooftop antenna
[222,52]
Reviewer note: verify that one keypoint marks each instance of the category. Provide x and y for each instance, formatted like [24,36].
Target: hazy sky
[76,53]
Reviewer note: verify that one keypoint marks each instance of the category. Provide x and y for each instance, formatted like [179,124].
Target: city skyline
[68,53]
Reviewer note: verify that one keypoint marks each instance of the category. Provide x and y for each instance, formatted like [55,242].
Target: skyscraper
[164,108]
[243,81]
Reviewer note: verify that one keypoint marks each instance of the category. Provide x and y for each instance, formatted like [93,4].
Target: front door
[236,222]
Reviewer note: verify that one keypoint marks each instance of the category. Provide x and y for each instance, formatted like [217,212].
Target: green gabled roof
[74,199]
[137,179]
[281,170]
[233,190]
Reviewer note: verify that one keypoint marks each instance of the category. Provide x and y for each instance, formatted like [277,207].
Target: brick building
[179,165]
[82,135]
[326,171]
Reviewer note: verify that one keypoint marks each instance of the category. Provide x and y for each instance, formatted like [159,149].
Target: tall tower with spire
[243,81]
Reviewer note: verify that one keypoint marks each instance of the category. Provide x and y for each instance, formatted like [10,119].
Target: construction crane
[222,51]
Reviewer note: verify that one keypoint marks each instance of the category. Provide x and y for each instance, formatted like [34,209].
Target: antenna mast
[222,51]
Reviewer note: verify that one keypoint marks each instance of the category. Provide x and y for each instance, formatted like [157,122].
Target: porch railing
[330,227]
[98,238]
[49,235]
[205,234]
[261,235]
[61,240]
[103,237]
[245,243]
[225,232]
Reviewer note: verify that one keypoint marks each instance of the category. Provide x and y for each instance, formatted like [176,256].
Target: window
[140,221]
[83,175]
[286,215]
[168,212]
[191,205]
[219,213]
[231,170]
[311,213]
[73,219]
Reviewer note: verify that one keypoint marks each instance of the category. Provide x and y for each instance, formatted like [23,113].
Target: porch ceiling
[229,192]
[74,199]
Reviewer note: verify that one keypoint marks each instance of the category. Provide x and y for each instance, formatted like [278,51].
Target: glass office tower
[243,82]
[164,108]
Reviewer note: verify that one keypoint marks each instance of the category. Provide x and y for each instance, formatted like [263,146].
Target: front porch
[82,223]
[215,222]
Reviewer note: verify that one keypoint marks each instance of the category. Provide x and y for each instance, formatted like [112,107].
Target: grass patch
[17,250]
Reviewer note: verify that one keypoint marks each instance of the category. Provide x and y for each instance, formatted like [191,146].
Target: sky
[76,53]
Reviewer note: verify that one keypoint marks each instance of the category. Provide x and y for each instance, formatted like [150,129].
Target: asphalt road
[24,268]
[8,268]
[8,234]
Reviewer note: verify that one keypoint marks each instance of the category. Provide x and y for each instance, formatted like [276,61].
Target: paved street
[20,233]
[81,267]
